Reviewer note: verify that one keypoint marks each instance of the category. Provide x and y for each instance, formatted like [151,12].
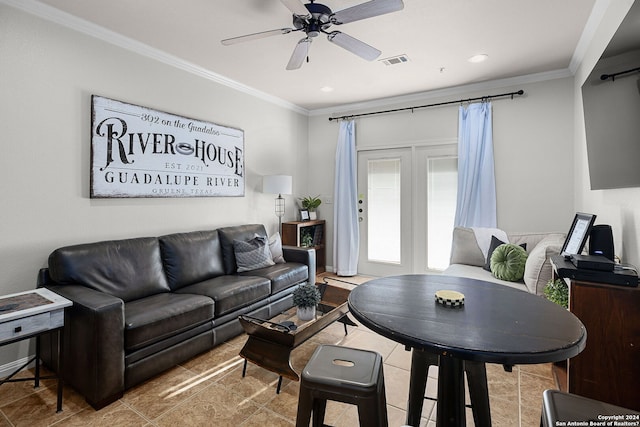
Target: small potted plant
[306,297]
[311,204]
[557,291]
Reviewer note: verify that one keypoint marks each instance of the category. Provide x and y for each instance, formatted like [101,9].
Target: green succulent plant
[306,295]
[310,203]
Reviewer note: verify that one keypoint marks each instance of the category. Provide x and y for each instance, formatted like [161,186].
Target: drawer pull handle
[18,329]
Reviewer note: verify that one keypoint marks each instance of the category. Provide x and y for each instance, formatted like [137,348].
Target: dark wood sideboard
[608,369]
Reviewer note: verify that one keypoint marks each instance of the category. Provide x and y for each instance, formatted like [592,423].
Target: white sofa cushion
[474,272]
[537,271]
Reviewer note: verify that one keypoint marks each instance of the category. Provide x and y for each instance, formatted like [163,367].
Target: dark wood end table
[30,314]
[496,324]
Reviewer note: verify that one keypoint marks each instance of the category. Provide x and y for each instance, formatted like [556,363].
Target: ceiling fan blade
[354,45]
[366,10]
[297,8]
[299,54]
[256,36]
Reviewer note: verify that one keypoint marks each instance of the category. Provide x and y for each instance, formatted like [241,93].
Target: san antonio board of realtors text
[140,152]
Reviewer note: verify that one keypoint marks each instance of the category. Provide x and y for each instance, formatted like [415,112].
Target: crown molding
[445,92]
[73,22]
[588,33]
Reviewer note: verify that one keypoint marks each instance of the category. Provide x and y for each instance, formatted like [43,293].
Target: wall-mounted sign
[140,152]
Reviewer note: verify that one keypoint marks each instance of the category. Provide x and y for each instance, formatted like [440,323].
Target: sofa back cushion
[128,269]
[240,232]
[465,248]
[191,257]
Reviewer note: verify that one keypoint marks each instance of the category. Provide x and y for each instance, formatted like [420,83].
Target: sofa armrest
[93,348]
[306,256]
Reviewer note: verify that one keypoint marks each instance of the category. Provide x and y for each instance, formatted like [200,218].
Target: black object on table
[496,324]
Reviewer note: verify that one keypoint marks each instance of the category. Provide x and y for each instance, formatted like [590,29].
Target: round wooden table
[496,324]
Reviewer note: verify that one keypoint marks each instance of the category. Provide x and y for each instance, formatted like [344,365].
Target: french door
[406,202]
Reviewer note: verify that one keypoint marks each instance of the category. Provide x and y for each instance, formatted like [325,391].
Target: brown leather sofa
[143,305]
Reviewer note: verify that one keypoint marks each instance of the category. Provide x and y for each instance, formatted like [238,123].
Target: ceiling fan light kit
[315,18]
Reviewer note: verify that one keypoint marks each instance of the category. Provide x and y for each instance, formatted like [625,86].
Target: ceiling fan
[315,18]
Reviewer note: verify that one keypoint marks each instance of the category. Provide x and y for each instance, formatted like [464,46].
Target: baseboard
[9,368]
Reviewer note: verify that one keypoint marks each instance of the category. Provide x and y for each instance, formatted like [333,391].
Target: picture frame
[578,234]
[304,215]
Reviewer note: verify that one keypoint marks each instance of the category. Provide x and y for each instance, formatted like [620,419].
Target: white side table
[30,314]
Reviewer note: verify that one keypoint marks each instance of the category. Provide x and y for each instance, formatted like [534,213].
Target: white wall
[533,137]
[619,208]
[47,76]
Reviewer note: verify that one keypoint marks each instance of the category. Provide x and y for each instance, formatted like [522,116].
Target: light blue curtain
[476,203]
[346,236]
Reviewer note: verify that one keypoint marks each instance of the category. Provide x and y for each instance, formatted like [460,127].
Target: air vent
[395,60]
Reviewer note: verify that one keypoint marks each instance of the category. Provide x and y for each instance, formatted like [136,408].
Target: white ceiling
[521,37]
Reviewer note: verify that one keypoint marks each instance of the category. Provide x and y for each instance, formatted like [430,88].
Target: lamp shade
[277,184]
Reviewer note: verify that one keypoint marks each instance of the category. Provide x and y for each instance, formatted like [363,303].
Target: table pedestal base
[451,408]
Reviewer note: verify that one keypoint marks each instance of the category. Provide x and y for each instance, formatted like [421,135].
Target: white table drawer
[31,324]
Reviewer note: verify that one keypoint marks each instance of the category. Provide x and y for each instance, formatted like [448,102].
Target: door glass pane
[442,187]
[383,215]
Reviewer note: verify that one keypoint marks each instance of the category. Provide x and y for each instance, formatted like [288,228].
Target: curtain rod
[460,101]
[614,75]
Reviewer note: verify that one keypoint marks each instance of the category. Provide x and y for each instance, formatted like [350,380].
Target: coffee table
[496,324]
[270,342]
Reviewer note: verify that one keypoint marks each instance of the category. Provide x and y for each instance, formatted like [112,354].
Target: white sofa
[467,258]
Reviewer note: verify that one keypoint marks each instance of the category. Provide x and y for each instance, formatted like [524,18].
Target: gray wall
[533,150]
[48,74]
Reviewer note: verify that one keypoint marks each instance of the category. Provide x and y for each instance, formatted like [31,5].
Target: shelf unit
[294,232]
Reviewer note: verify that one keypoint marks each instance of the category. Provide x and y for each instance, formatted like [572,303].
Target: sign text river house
[139,152]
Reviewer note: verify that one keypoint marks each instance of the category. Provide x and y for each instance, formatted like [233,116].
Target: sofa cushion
[275,247]
[229,234]
[252,254]
[282,276]
[158,317]
[473,272]
[231,292]
[465,249]
[191,257]
[507,262]
[538,270]
[128,269]
[495,242]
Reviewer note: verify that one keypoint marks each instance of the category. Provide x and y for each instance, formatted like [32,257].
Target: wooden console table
[30,314]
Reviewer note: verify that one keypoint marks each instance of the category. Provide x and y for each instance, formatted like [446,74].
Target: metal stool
[346,375]
[559,408]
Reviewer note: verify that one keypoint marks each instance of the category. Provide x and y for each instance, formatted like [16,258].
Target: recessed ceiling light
[478,58]
[326,89]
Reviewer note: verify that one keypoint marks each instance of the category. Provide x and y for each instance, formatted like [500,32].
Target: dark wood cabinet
[308,234]
[608,369]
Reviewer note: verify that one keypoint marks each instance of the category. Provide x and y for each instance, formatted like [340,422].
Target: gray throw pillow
[275,246]
[252,254]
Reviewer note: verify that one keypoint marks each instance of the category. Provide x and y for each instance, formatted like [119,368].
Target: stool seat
[558,408]
[345,375]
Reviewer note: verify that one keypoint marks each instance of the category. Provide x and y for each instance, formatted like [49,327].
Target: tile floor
[209,390]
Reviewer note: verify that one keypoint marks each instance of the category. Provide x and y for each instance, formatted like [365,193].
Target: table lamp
[278,184]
